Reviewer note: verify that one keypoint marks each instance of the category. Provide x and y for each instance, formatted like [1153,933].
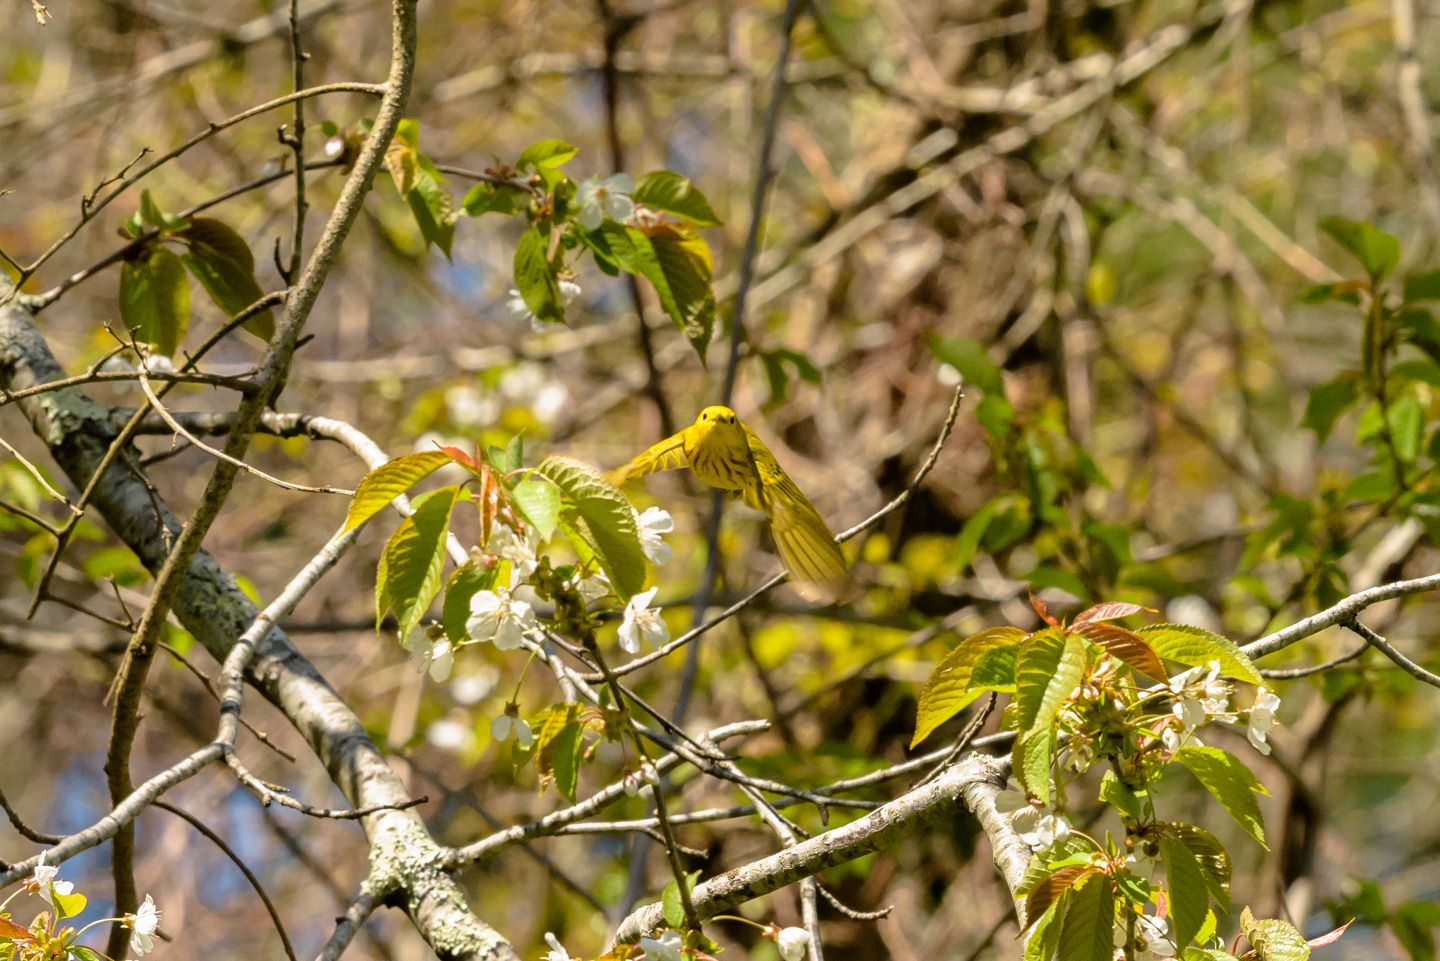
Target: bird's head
[713,416]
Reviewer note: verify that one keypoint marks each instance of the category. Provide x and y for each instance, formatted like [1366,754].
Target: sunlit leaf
[389,481]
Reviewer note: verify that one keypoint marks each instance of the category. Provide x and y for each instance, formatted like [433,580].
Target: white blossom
[592,586]
[46,885]
[667,948]
[467,405]
[634,780]
[1040,828]
[159,364]
[641,622]
[515,303]
[519,550]
[598,199]
[1262,719]
[496,616]
[654,524]
[507,726]
[142,927]
[557,950]
[793,942]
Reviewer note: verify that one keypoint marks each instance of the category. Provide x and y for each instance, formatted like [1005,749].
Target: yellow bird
[726,454]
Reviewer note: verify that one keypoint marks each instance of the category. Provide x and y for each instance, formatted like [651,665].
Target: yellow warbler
[724,453]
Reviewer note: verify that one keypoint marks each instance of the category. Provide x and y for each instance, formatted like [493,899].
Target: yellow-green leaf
[1196,646]
[948,690]
[1087,933]
[415,557]
[603,518]
[220,259]
[155,299]
[1047,672]
[1232,783]
[388,481]
[1189,902]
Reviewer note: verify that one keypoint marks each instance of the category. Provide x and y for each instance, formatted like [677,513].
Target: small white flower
[665,949]
[1041,829]
[442,660]
[519,550]
[592,586]
[334,146]
[515,303]
[1262,719]
[654,524]
[143,926]
[598,199]
[507,726]
[557,950]
[1152,938]
[46,884]
[793,942]
[467,405]
[159,364]
[496,616]
[641,622]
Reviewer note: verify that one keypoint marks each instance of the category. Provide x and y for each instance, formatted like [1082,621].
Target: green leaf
[1206,954]
[1189,901]
[1273,939]
[150,211]
[1047,672]
[1210,854]
[539,501]
[995,671]
[1407,425]
[434,209]
[1115,791]
[1087,931]
[1424,286]
[566,752]
[388,481]
[1051,887]
[603,518]
[1195,646]
[673,194]
[1030,760]
[1232,783]
[674,908]
[220,259]
[69,905]
[948,690]
[415,557]
[678,266]
[155,299]
[486,198]
[402,159]
[1327,402]
[545,155]
[535,279]
[1377,251]
[1046,936]
[1413,936]
[469,579]
[1425,371]
[970,359]
[775,361]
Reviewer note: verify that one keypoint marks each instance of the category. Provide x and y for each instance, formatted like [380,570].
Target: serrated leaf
[415,557]
[220,259]
[1046,936]
[1185,884]
[1210,854]
[1232,783]
[603,518]
[9,929]
[995,671]
[948,690]
[1049,889]
[546,155]
[970,359]
[1030,760]
[1273,939]
[1086,934]
[1047,672]
[434,209]
[1073,850]
[535,279]
[1123,645]
[486,198]
[670,193]
[678,266]
[539,501]
[566,751]
[1195,646]
[468,580]
[1109,611]
[388,481]
[548,727]
[155,299]
[1327,402]
[402,160]
[1206,954]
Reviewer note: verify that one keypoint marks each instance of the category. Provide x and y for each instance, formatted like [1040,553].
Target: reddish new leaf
[1109,611]
[1040,609]
[9,929]
[1048,890]
[489,502]
[1331,937]
[461,458]
[1124,646]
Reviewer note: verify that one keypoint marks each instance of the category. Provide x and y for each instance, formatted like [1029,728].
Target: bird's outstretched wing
[669,454]
[805,543]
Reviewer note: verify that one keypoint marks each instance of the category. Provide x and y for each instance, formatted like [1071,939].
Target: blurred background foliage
[1129,292]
